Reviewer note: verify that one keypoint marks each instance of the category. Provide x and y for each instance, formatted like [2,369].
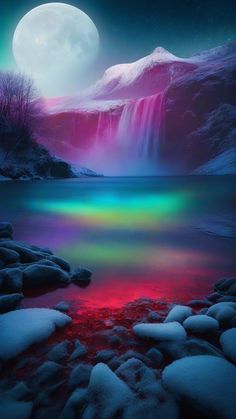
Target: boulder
[46,375]
[79,351]
[9,302]
[156,356]
[228,343]
[107,394]
[80,376]
[135,373]
[105,355]
[22,328]
[8,256]
[178,314]
[26,254]
[38,275]
[201,324]
[81,277]
[189,347]
[59,352]
[172,331]
[63,306]
[206,383]
[226,286]
[11,280]
[60,262]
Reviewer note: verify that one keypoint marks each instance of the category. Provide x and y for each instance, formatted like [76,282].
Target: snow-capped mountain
[159,110]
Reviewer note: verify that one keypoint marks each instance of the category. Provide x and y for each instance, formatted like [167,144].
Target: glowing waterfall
[139,127]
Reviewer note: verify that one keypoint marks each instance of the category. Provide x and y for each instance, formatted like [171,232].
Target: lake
[157,237]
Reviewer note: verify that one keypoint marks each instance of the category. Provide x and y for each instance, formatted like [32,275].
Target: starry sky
[131,29]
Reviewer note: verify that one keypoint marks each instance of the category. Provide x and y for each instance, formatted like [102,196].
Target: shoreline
[147,357]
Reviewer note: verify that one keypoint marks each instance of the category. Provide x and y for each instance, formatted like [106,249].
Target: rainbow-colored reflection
[139,236]
[117,212]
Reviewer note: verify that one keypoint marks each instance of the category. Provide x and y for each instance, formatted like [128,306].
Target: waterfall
[139,127]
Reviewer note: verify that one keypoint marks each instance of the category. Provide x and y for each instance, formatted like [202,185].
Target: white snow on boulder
[22,328]
[207,382]
[228,343]
[201,324]
[172,331]
[178,314]
[107,393]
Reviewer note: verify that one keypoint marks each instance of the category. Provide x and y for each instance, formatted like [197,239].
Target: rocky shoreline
[148,358]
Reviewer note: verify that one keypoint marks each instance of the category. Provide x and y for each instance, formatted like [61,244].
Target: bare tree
[21,110]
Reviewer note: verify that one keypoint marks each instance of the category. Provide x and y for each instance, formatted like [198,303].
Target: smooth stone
[226,286]
[105,355]
[60,262]
[172,331]
[9,302]
[8,256]
[228,343]
[156,356]
[207,383]
[11,280]
[201,323]
[26,254]
[37,275]
[80,376]
[59,352]
[63,306]
[47,374]
[189,347]
[21,391]
[224,312]
[178,314]
[81,277]
[79,351]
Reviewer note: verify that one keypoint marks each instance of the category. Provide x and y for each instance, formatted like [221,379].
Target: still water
[164,238]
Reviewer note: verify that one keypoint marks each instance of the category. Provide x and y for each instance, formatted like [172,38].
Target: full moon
[55,44]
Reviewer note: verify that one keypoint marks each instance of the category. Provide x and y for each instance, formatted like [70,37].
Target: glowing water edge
[163,238]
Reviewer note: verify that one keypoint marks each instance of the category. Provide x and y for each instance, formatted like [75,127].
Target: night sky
[131,29]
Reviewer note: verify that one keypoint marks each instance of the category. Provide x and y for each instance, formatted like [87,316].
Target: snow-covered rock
[223,164]
[228,343]
[107,394]
[135,373]
[201,324]
[208,383]
[172,331]
[22,328]
[178,314]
